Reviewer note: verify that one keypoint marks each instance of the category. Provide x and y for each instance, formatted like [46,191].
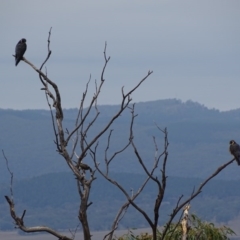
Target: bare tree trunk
[83,214]
[154,232]
[184,222]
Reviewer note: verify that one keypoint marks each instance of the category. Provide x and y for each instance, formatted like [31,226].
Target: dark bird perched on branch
[20,49]
[234,149]
[85,167]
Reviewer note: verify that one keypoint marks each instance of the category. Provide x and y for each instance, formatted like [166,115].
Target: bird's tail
[17,61]
[238,161]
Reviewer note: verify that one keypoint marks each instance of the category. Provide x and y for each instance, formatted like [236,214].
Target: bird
[234,149]
[20,49]
[85,167]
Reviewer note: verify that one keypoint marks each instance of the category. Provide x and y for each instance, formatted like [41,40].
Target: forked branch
[19,221]
[193,195]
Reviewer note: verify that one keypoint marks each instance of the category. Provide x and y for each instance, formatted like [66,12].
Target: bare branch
[57,100]
[122,108]
[133,89]
[106,62]
[179,207]
[108,160]
[118,218]
[20,223]
[49,51]
[94,99]
[53,123]
[130,199]
[11,174]
[80,116]
[150,174]
[73,233]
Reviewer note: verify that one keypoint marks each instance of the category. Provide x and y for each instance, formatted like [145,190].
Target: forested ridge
[52,199]
[198,136]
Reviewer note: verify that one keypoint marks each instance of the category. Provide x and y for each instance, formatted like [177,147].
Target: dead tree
[74,157]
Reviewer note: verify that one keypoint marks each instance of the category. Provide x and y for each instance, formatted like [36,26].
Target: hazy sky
[193,48]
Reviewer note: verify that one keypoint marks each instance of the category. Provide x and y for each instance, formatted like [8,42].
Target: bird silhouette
[234,149]
[20,49]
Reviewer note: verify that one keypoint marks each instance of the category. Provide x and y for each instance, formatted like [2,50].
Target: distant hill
[198,138]
[49,197]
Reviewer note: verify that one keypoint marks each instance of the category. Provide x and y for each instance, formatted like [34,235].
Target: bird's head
[232,142]
[23,40]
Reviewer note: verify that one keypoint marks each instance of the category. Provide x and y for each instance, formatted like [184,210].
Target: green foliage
[207,230]
[130,236]
[199,230]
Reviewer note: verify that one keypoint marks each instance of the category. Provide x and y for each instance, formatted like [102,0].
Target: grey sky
[193,48]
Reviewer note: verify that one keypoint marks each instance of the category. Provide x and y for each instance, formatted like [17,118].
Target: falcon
[20,49]
[234,149]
